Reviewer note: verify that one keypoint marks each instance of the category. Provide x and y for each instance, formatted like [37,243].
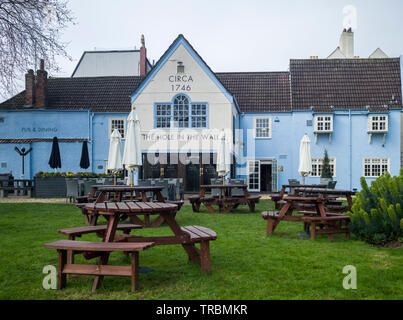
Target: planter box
[50,187]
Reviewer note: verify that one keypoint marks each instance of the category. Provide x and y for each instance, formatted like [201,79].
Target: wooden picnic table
[186,236]
[100,193]
[116,194]
[225,201]
[277,197]
[319,206]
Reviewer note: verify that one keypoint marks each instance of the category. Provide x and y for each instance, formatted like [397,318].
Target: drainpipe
[350,150]
[90,136]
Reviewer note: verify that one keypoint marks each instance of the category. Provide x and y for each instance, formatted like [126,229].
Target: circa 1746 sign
[181,82]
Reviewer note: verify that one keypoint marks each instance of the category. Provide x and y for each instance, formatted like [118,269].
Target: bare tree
[29,30]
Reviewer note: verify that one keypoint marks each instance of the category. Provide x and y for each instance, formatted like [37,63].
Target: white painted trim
[110,126]
[316,123]
[363,166]
[254,127]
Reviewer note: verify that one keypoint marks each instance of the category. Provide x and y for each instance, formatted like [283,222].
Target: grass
[245,263]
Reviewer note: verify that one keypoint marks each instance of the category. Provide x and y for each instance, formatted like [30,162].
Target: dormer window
[378,124]
[323,124]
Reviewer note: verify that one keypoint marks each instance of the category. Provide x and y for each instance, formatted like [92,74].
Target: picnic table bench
[100,230]
[316,210]
[117,194]
[224,200]
[20,187]
[188,237]
[64,268]
[277,197]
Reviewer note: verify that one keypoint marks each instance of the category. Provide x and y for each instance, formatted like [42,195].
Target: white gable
[378,54]
[337,54]
[198,83]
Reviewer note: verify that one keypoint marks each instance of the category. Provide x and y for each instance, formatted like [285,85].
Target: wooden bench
[64,268]
[100,230]
[271,217]
[203,236]
[328,225]
[187,237]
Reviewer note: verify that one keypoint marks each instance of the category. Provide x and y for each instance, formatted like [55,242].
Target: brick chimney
[143,57]
[30,88]
[41,96]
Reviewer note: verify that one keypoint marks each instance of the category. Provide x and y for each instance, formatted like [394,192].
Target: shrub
[326,170]
[377,213]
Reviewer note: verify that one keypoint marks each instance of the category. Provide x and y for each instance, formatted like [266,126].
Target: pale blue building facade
[350,107]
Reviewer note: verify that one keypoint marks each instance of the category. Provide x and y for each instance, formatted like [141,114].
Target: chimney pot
[143,57]
[41,91]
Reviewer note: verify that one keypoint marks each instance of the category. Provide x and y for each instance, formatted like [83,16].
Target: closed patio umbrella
[85,159]
[54,160]
[223,158]
[132,153]
[115,153]
[305,160]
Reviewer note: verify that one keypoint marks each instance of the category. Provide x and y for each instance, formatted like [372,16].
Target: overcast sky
[234,35]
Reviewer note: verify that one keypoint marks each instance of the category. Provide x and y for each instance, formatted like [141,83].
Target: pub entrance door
[192,179]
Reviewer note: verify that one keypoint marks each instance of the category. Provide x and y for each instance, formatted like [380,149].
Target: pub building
[349,106]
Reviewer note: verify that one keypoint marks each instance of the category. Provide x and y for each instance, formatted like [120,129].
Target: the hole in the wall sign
[100,167]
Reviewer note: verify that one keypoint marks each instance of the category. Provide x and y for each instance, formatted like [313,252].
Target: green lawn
[245,263]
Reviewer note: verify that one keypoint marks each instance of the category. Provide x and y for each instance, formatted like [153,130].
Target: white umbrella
[132,153]
[305,160]
[223,158]
[115,153]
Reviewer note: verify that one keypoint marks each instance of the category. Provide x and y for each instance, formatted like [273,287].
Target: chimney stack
[30,88]
[41,96]
[143,57]
[347,43]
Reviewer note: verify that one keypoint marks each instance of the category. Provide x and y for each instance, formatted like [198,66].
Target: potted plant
[326,175]
[50,184]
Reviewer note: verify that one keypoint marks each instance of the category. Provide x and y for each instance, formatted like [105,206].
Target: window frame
[319,161]
[255,119]
[316,123]
[371,122]
[110,127]
[190,117]
[372,164]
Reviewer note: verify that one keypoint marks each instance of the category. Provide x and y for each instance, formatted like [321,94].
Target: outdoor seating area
[15,187]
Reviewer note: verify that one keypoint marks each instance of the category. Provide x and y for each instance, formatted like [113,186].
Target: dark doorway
[266,178]
[192,177]
[151,167]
